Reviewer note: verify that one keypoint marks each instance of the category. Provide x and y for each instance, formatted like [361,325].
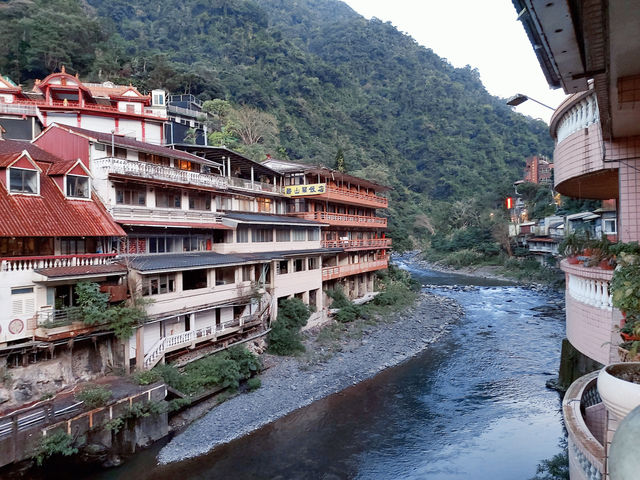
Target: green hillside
[333,80]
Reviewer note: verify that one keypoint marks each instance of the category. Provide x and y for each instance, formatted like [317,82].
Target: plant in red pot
[625,291]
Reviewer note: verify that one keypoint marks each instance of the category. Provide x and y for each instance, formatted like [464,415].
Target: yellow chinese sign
[299,190]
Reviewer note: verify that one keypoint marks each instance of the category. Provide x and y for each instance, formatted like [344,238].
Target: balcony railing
[590,286]
[359,243]
[584,417]
[53,318]
[15,264]
[330,273]
[254,186]
[120,166]
[579,116]
[190,337]
[164,214]
[343,219]
[149,112]
[349,196]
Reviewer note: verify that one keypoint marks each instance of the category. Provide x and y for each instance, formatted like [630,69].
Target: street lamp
[520,98]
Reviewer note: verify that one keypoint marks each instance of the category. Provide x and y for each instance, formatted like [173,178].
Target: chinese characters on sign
[312,189]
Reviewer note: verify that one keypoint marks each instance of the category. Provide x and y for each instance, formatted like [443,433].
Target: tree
[254,126]
[340,164]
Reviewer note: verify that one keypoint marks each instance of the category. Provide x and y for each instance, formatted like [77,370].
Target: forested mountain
[332,79]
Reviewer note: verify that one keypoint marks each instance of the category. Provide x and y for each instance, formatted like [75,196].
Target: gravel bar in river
[293,383]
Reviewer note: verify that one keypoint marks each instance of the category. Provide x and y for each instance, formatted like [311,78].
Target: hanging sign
[299,190]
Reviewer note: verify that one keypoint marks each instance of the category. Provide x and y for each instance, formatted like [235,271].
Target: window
[283,235]
[71,246]
[298,265]
[242,235]
[77,187]
[195,244]
[312,263]
[610,226]
[246,273]
[225,276]
[158,284]
[152,158]
[23,181]
[223,203]
[120,152]
[194,279]
[199,201]
[22,301]
[161,244]
[245,205]
[314,234]
[130,196]
[262,235]
[166,198]
[299,235]
[158,99]
[187,165]
[264,205]
[283,267]
[131,108]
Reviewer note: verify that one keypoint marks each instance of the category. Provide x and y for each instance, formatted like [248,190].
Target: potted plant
[619,387]
[571,246]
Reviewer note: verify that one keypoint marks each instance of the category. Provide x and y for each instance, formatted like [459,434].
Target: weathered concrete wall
[81,362]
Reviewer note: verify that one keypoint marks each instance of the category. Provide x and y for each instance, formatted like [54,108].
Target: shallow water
[473,406]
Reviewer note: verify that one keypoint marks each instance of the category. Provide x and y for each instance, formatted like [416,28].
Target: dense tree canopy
[321,78]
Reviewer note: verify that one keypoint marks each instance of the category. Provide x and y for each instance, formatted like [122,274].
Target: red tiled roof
[50,213]
[121,141]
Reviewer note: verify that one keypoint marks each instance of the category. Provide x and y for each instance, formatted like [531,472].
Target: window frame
[22,191]
[69,177]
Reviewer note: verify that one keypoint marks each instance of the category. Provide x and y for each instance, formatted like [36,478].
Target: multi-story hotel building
[348,205]
[64,99]
[589,48]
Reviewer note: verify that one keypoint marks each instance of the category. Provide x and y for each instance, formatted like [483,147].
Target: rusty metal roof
[83,271]
[50,214]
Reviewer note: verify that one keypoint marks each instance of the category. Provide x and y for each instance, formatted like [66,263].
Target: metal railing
[337,193]
[120,212]
[185,339]
[255,186]
[13,264]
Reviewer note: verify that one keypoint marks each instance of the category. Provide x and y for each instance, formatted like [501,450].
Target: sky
[482,33]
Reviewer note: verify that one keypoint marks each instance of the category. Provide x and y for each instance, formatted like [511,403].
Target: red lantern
[509,203]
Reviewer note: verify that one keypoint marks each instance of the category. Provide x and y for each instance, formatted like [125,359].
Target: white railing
[255,186]
[185,339]
[121,166]
[14,264]
[164,214]
[590,291]
[580,116]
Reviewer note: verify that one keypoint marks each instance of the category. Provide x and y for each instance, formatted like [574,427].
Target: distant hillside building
[538,170]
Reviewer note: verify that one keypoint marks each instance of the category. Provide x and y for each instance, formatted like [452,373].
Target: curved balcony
[591,319]
[580,168]
[585,419]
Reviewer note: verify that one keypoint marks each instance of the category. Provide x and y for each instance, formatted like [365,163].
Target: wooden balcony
[360,244]
[344,219]
[20,264]
[330,273]
[350,197]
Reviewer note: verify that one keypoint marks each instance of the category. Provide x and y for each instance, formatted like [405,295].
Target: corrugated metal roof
[177,224]
[195,260]
[50,214]
[261,218]
[82,271]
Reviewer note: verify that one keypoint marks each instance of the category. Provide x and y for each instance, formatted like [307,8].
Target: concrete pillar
[139,348]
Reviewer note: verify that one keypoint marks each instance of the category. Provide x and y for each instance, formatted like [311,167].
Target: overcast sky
[482,33]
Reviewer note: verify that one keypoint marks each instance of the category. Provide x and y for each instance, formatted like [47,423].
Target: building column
[629,201]
[139,348]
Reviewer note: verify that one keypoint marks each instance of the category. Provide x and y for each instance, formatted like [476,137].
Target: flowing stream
[472,406]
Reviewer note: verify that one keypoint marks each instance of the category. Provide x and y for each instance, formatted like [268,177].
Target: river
[472,406]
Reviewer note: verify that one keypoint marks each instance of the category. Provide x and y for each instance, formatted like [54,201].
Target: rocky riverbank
[292,383]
